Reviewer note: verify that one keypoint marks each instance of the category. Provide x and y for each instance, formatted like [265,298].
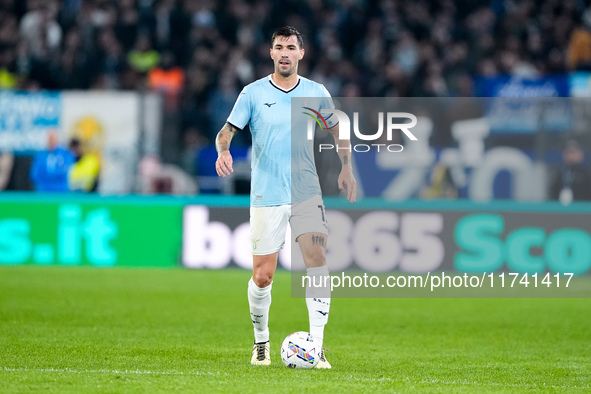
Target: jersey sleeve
[240,115]
[328,104]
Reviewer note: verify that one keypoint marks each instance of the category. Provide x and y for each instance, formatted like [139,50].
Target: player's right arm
[346,180]
[223,164]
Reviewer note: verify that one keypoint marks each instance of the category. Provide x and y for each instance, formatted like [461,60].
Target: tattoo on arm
[317,240]
[343,146]
[344,154]
[224,137]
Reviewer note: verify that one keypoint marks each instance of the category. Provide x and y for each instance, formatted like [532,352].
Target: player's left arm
[346,181]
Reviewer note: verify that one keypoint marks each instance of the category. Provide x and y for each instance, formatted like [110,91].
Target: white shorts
[269,224]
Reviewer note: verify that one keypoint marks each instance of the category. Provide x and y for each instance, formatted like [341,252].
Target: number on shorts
[322,212]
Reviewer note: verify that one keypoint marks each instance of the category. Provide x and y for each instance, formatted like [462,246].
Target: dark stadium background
[199,54]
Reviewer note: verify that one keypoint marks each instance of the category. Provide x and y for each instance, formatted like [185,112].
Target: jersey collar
[283,90]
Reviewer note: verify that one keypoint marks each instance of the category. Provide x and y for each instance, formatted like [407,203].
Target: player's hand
[223,165]
[347,183]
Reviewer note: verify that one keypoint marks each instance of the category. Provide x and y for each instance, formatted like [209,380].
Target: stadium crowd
[200,52]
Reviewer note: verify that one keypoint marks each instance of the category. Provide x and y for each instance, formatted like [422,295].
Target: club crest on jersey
[304,101]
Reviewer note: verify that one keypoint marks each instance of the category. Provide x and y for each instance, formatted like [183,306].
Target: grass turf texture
[146,330]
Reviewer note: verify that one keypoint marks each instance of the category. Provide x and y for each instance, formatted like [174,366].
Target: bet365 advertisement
[417,237]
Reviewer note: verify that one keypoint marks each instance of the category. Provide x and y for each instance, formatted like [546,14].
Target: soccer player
[266,106]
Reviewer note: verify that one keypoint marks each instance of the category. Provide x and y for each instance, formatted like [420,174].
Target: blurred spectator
[441,186]
[108,60]
[8,39]
[127,26]
[579,49]
[143,57]
[193,144]
[40,29]
[84,173]
[159,21]
[49,171]
[157,178]
[6,162]
[168,79]
[221,101]
[572,181]
[74,64]
[406,53]
[8,78]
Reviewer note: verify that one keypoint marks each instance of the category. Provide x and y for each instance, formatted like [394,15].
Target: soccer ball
[300,350]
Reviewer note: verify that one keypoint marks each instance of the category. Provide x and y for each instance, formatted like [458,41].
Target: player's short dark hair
[288,31]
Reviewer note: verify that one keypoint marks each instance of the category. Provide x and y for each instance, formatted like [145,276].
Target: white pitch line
[475,383]
[110,371]
[460,383]
[349,378]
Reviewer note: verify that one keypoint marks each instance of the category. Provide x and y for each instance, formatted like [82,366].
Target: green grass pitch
[88,330]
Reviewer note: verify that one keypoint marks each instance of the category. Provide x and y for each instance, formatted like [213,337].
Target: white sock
[318,301]
[259,301]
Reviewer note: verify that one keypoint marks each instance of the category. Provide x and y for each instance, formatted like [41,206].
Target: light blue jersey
[267,109]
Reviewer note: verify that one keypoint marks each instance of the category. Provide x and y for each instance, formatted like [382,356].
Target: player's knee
[262,279]
[316,258]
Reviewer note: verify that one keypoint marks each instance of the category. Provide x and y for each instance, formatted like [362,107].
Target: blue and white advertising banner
[26,118]
[522,105]
[107,123]
[508,86]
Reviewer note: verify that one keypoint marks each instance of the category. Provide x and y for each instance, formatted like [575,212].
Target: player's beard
[288,72]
